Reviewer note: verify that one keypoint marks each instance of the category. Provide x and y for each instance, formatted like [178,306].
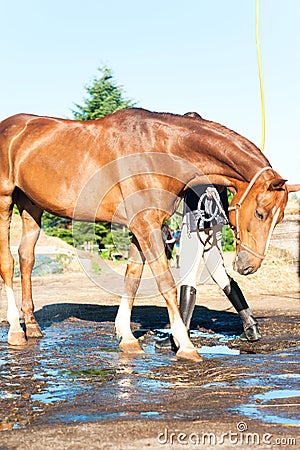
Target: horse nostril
[247,270]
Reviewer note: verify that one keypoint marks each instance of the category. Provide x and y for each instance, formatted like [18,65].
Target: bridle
[237,207]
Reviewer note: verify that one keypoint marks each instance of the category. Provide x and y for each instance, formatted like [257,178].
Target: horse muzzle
[245,263]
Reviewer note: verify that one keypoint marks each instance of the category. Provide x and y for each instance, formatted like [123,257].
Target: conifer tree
[104,97]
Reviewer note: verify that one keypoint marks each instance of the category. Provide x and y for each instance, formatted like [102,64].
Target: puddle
[265,416]
[275,394]
[218,350]
[77,374]
[149,413]
[201,334]
[216,336]
[217,346]
[279,405]
[68,363]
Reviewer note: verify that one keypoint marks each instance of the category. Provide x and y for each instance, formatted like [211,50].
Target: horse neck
[223,155]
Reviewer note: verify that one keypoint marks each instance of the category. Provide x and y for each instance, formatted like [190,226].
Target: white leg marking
[122,322]
[181,337]
[13,316]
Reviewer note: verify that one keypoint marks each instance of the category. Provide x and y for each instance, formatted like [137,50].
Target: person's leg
[190,257]
[213,258]
[237,299]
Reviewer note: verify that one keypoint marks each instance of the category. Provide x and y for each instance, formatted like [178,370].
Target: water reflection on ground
[76,373]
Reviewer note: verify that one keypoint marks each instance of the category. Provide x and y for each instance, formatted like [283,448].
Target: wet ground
[74,389]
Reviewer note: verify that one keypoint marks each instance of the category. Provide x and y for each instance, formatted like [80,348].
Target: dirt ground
[74,389]
[154,401]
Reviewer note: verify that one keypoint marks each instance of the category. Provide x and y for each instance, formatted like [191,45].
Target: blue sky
[168,55]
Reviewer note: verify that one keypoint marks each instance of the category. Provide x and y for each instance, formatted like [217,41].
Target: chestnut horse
[131,167]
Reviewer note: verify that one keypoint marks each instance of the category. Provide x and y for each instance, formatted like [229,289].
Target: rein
[237,207]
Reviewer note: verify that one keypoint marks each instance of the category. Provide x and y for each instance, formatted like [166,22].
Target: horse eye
[259,215]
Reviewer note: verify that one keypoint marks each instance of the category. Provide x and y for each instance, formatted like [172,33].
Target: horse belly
[82,196]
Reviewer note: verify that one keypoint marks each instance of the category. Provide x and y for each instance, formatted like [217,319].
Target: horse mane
[198,123]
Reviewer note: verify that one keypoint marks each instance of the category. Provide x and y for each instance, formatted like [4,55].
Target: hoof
[33,331]
[17,338]
[132,346]
[191,355]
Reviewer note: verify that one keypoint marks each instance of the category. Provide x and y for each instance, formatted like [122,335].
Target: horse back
[55,162]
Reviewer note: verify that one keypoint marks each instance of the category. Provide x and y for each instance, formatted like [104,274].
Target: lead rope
[263,112]
[261,84]
[263,136]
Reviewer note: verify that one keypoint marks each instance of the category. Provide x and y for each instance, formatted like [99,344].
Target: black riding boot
[186,306]
[251,332]
[238,301]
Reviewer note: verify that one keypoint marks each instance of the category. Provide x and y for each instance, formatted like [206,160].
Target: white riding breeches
[205,245]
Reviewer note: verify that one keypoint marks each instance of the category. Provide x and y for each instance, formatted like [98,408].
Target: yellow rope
[262,96]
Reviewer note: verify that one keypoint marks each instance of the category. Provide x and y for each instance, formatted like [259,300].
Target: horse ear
[276,184]
[293,187]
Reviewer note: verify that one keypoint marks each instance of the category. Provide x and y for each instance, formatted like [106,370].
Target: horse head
[253,213]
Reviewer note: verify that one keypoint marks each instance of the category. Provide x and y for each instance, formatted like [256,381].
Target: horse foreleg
[16,335]
[152,246]
[167,288]
[135,266]
[31,222]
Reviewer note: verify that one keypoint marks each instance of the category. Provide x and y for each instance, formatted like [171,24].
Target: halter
[237,207]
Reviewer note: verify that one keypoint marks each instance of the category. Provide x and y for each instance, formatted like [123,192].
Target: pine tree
[105,97]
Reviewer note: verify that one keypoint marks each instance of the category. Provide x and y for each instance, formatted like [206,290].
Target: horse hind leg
[135,266]
[16,335]
[31,226]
